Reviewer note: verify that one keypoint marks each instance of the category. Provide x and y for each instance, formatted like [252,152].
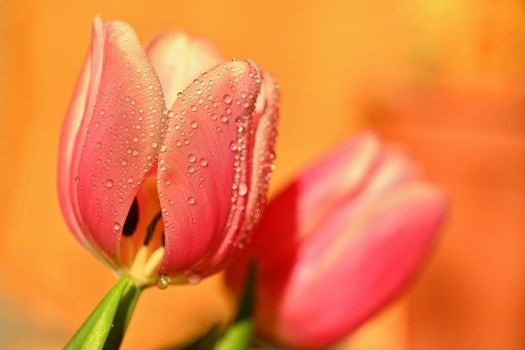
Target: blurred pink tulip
[161,184]
[340,242]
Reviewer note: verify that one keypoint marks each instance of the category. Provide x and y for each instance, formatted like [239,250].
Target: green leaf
[109,320]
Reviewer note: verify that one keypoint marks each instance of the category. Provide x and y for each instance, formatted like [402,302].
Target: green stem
[106,326]
[238,336]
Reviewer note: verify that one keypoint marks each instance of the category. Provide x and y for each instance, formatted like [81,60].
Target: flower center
[142,242]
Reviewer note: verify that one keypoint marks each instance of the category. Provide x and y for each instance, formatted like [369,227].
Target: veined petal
[111,134]
[178,59]
[205,176]
[65,175]
[262,147]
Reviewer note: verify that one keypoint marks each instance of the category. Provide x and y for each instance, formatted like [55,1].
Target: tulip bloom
[340,242]
[163,172]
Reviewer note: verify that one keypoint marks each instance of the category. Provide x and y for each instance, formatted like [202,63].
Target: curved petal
[65,177]
[178,59]
[262,147]
[340,227]
[204,178]
[111,135]
[326,297]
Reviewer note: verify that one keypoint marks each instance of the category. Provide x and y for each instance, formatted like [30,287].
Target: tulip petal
[65,178]
[113,132]
[263,155]
[338,262]
[178,60]
[389,243]
[205,177]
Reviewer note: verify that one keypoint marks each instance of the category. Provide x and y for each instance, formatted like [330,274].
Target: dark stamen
[151,228]
[132,219]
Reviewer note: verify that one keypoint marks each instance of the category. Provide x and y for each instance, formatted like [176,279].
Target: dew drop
[130,179]
[243,189]
[191,200]
[227,99]
[203,162]
[109,183]
[194,279]
[192,158]
[116,226]
[163,281]
[154,145]
[194,125]
[191,169]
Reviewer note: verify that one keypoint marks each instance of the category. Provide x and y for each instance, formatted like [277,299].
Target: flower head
[163,172]
[340,242]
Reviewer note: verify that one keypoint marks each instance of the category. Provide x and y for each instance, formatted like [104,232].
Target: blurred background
[443,78]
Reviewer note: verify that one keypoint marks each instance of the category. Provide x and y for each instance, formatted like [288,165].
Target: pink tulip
[340,242]
[161,184]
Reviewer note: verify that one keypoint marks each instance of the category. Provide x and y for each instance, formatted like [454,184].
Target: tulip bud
[165,155]
[339,242]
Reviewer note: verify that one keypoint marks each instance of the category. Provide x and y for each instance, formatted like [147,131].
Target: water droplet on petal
[116,226]
[243,189]
[192,158]
[191,200]
[194,279]
[227,99]
[204,162]
[109,183]
[163,281]
[194,125]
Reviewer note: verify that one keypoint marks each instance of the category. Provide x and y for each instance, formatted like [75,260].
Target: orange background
[442,77]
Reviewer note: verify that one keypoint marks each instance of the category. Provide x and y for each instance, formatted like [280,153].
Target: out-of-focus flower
[340,242]
[161,184]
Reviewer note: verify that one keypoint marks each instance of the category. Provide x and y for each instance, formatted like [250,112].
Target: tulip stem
[106,326]
[239,334]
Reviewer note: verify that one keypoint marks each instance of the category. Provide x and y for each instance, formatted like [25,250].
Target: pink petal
[263,155]
[205,177]
[178,60]
[110,136]
[356,278]
[65,177]
[351,230]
